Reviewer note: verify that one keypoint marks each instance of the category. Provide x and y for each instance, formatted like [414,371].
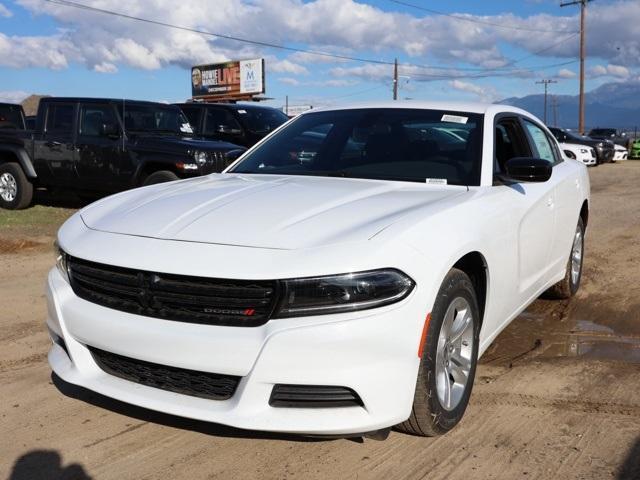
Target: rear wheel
[568,286]
[160,176]
[448,364]
[16,191]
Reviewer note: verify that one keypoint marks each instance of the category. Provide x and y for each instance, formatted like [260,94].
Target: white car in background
[342,294]
[582,153]
[620,153]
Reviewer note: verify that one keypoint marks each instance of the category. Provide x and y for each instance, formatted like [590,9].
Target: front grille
[241,303]
[211,386]
[313,396]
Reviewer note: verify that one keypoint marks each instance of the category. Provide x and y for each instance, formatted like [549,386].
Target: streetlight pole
[546,84]
[395,79]
[583,13]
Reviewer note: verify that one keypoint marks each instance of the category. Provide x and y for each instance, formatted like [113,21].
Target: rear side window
[541,142]
[60,118]
[93,117]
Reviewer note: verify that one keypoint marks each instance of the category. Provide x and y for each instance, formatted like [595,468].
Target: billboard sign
[235,79]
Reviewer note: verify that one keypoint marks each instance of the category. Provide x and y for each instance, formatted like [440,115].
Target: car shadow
[146,415]
[45,465]
[630,469]
[61,199]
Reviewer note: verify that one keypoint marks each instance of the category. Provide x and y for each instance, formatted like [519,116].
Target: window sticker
[242,111]
[454,119]
[436,181]
[186,128]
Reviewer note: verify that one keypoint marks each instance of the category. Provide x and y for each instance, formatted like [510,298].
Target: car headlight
[343,293]
[200,157]
[61,262]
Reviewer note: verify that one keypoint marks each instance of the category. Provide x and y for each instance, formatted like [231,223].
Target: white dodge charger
[343,276]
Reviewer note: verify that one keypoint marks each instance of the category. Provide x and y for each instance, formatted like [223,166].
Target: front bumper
[372,352]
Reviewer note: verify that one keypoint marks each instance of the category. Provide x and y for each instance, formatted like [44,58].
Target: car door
[55,149]
[98,146]
[532,206]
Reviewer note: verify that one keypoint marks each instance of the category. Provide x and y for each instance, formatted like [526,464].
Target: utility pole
[395,79]
[286,105]
[583,13]
[546,84]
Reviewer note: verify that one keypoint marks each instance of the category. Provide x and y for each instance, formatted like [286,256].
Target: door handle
[52,143]
[550,202]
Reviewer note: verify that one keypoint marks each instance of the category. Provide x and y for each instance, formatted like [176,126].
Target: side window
[193,115]
[60,118]
[541,143]
[93,117]
[509,143]
[219,120]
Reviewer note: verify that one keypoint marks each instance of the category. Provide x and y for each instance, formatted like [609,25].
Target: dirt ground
[556,396]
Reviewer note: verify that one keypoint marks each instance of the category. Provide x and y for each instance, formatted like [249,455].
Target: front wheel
[448,363]
[16,191]
[160,176]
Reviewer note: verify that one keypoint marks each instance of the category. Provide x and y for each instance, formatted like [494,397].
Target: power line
[488,74]
[81,6]
[475,20]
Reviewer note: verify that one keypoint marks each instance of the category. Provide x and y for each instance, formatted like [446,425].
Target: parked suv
[604,148]
[616,136]
[12,116]
[237,123]
[97,146]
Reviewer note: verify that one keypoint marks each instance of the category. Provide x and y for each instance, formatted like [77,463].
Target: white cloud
[289,81]
[566,73]
[105,67]
[13,96]
[286,66]
[486,94]
[5,12]
[610,70]
[342,26]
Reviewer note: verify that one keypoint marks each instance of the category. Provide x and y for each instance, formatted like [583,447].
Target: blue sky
[59,50]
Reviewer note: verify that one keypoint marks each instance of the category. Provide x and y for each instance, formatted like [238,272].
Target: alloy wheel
[8,187]
[454,353]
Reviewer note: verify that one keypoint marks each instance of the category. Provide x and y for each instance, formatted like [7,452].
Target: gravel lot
[556,396]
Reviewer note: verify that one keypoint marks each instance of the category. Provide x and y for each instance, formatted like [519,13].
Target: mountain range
[615,104]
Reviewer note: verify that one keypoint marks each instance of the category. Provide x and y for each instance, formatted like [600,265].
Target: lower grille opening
[313,396]
[212,386]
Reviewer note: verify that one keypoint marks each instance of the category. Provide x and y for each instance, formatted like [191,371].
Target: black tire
[428,416]
[160,176]
[12,172]
[568,286]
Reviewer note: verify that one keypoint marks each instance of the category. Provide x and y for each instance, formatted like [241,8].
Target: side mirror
[109,130]
[524,169]
[227,130]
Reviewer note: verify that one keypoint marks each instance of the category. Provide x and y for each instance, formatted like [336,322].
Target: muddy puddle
[551,329]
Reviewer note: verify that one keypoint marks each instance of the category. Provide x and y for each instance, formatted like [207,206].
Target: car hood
[177,144]
[265,211]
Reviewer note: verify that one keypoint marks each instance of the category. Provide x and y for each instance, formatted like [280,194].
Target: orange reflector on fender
[423,339]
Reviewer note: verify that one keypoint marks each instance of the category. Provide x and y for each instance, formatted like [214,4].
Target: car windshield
[417,145]
[261,120]
[11,117]
[154,119]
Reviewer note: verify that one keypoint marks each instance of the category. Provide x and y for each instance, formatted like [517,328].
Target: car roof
[233,106]
[468,107]
[101,100]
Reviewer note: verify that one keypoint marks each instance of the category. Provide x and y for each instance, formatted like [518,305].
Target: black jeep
[98,146]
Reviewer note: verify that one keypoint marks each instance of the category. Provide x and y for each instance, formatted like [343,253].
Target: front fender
[23,158]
